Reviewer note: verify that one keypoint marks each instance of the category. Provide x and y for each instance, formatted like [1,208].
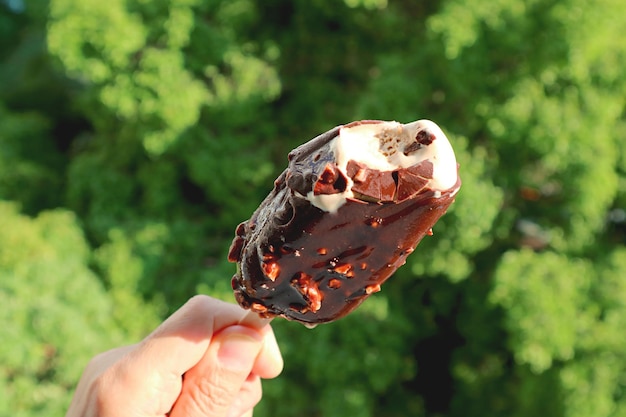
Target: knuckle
[248,397]
[198,302]
[211,397]
[201,305]
[101,393]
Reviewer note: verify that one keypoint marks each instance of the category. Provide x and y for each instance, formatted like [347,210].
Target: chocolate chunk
[330,181]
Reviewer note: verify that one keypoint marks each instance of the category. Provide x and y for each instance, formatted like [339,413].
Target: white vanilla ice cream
[381,146]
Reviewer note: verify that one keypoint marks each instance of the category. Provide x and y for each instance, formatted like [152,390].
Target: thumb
[212,386]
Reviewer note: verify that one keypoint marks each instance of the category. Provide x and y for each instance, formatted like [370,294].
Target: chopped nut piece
[271,270]
[334,283]
[370,289]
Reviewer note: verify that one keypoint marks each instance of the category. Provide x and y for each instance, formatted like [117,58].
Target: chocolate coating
[300,262]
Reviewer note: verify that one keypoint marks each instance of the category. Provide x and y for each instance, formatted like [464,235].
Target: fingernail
[239,348]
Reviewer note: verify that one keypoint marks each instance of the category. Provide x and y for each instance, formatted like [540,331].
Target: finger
[211,387]
[186,334]
[81,401]
[197,321]
[176,346]
[248,397]
[269,363]
[252,319]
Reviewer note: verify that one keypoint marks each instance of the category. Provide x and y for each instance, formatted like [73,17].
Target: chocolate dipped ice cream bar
[352,204]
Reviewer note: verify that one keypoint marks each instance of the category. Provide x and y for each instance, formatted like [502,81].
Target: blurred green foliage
[135,135]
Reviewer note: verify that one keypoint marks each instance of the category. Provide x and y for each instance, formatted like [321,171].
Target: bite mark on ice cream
[384,162]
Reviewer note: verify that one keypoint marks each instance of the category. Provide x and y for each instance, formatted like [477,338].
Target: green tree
[135,135]
[56,313]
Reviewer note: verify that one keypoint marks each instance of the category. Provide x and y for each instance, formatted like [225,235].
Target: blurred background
[136,134]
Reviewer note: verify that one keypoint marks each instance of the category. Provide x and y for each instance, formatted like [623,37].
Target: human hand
[207,359]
